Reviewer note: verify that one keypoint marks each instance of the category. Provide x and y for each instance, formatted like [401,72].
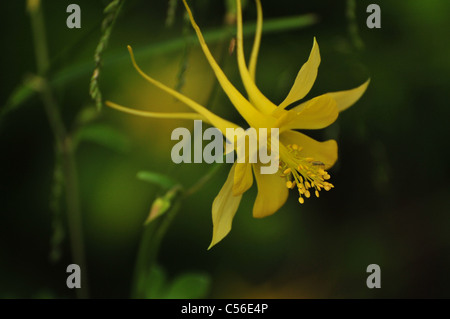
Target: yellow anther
[289,184]
[309,176]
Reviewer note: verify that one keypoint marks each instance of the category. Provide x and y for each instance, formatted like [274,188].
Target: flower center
[305,173]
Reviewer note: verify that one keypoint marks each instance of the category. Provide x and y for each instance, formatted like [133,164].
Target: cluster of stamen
[306,174]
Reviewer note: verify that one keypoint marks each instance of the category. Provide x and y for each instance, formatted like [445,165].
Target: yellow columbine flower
[303,161]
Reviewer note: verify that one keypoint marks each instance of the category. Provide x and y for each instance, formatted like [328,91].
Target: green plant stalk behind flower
[63,141]
[303,161]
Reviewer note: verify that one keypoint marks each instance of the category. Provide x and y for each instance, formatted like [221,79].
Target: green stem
[154,233]
[74,215]
[63,142]
[202,181]
[111,13]
[353,25]
[150,243]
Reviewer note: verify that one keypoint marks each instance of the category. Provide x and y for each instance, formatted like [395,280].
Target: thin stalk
[149,246]
[202,181]
[154,233]
[353,25]
[62,140]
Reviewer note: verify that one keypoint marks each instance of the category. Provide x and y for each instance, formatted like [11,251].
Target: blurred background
[390,205]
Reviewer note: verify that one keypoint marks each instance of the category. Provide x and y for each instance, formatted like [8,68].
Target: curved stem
[63,143]
[150,243]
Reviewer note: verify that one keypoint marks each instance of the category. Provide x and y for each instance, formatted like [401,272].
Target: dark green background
[390,205]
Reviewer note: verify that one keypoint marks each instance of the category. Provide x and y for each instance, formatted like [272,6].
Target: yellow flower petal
[224,208]
[314,114]
[243,178]
[242,105]
[212,118]
[256,97]
[158,115]
[257,42]
[325,152]
[305,78]
[345,99]
[272,193]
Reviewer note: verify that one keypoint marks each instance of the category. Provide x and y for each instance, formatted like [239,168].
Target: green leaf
[86,116]
[103,135]
[20,95]
[156,178]
[189,286]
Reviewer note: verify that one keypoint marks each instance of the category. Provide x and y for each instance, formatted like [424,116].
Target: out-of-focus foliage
[390,204]
[186,286]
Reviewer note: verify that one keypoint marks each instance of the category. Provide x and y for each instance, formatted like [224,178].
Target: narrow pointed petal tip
[305,78]
[347,98]
[224,208]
